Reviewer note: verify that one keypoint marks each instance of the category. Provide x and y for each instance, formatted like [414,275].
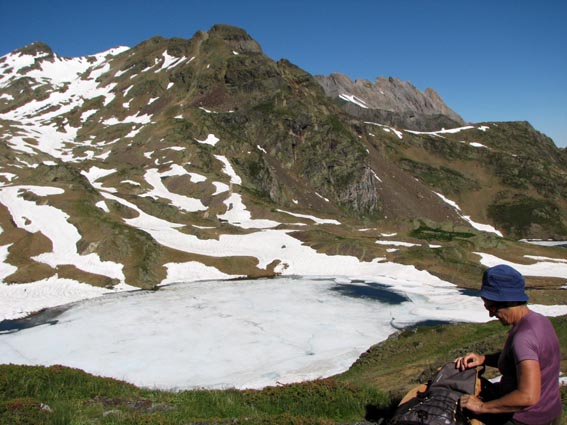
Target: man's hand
[469,361]
[472,403]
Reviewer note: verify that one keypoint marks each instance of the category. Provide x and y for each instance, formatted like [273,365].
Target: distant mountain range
[391,101]
[163,153]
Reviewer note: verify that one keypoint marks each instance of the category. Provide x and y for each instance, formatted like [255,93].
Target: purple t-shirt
[533,338]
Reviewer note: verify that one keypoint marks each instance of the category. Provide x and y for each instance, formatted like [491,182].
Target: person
[528,391]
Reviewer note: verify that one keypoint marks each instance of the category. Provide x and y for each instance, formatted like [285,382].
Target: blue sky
[497,60]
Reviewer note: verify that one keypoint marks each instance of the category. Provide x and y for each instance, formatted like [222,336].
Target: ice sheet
[218,334]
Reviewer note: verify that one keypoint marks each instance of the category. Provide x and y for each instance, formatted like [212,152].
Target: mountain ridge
[391,101]
[165,149]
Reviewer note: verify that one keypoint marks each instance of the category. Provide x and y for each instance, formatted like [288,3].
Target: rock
[399,101]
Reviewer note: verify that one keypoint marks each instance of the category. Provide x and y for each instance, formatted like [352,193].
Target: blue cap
[503,283]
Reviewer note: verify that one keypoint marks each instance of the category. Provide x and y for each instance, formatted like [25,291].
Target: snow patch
[136,119]
[479,226]
[312,218]
[541,268]
[397,243]
[220,188]
[180,272]
[353,99]
[387,129]
[228,170]
[186,203]
[376,176]
[54,224]
[442,131]
[210,140]
[237,215]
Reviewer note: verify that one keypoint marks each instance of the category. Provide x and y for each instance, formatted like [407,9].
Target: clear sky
[490,60]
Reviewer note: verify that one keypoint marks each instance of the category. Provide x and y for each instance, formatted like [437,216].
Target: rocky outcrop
[391,101]
[36,49]
[236,38]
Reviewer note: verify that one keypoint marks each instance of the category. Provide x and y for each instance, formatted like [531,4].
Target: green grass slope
[367,392]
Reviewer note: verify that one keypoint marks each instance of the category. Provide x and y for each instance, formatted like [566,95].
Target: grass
[428,233]
[369,390]
[444,178]
[403,360]
[60,395]
[518,215]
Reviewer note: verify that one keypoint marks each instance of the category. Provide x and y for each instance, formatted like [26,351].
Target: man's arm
[527,394]
[491,359]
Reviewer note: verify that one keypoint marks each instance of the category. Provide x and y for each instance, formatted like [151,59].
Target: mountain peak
[236,37]
[37,49]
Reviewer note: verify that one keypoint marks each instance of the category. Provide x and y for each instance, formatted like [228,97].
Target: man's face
[496,310]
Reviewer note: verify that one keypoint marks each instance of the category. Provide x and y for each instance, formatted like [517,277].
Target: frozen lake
[219,334]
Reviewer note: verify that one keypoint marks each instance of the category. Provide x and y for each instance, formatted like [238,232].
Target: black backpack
[439,403]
